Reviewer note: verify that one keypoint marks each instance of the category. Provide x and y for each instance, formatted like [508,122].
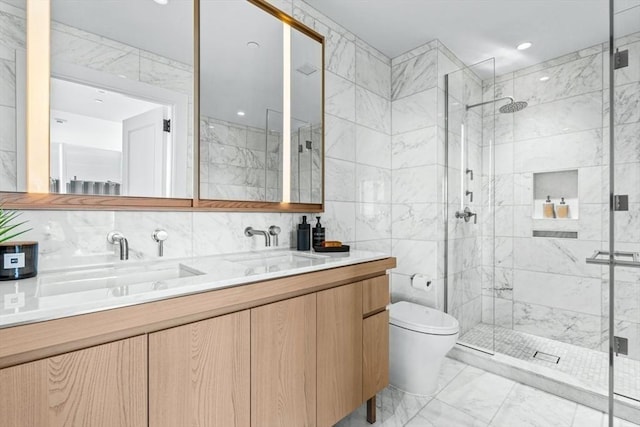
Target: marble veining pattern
[372,147]
[340,55]
[372,110]
[414,75]
[372,73]
[340,97]
[7,83]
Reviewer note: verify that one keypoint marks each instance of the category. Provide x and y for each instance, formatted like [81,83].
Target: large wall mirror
[261,105]
[125,128]
[121,92]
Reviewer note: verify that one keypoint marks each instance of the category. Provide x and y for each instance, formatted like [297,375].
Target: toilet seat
[422,319]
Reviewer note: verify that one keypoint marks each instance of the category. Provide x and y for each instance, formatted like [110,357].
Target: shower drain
[546,357]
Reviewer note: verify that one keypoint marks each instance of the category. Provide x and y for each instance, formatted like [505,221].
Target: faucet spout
[116,238]
[250,232]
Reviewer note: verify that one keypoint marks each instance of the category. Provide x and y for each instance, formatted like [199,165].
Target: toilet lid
[422,319]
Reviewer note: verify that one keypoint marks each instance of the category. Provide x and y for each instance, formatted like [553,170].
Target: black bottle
[318,234]
[304,235]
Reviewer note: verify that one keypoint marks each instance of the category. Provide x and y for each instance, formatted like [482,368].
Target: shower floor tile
[590,367]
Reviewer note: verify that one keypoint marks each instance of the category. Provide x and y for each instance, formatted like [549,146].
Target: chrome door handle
[634,262]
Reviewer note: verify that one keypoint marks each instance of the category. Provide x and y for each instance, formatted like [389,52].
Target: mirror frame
[38,123]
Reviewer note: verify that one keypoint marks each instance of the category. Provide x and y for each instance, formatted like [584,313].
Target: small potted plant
[18,260]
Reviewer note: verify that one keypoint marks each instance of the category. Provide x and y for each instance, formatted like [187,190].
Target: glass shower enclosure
[542,213]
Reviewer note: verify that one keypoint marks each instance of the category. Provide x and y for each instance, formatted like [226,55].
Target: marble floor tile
[508,403]
[525,406]
[439,414]
[477,392]
[394,409]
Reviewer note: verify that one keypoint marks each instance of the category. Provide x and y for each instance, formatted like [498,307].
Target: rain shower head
[511,107]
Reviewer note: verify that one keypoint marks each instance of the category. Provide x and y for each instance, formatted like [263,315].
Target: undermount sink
[277,261]
[111,278]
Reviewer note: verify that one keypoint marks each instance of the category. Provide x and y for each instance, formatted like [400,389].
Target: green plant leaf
[6,226]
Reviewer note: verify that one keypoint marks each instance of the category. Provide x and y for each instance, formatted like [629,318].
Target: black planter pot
[18,260]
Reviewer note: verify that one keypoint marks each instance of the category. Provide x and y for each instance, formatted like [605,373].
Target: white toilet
[419,339]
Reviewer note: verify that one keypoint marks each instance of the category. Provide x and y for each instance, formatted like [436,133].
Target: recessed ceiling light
[162,2]
[253,45]
[212,127]
[524,46]
[99,101]
[240,113]
[544,78]
[101,91]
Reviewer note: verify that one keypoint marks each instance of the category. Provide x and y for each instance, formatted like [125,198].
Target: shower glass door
[625,304]
[469,206]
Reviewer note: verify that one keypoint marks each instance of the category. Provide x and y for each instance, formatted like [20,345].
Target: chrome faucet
[274,230]
[115,238]
[159,236]
[250,232]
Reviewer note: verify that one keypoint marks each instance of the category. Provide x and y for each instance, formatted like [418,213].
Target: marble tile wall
[543,285]
[357,168]
[239,162]
[418,201]
[12,40]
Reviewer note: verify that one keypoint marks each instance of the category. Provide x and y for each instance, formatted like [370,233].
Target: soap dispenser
[318,234]
[563,209]
[547,208]
[304,235]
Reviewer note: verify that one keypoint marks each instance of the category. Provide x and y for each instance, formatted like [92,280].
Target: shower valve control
[466,214]
[620,202]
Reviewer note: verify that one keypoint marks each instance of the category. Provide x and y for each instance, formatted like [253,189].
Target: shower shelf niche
[556,184]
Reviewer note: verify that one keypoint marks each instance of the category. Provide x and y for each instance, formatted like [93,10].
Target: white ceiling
[479,29]
[102,104]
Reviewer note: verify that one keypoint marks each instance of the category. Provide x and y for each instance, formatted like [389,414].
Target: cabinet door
[100,386]
[283,363]
[339,352]
[375,354]
[199,373]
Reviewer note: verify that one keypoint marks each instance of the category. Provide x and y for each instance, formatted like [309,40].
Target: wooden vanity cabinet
[283,363]
[199,373]
[101,386]
[339,352]
[304,350]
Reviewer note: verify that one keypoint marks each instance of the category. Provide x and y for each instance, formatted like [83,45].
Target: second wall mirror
[261,108]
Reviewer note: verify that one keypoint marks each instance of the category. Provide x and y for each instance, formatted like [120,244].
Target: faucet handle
[274,230]
[114,237]
[160,235]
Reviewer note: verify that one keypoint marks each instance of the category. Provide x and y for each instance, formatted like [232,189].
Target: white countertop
[64,293]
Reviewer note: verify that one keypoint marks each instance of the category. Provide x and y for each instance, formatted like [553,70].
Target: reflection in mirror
[241,105]
[121,96]
[241,48]
[12,94]
[306,120]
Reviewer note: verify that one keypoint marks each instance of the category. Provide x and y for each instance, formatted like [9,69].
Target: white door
[143,154]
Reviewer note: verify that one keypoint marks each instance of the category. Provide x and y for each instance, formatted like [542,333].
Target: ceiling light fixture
[544,78]
[524,46]
[162,2]
[240,113]
[253,45]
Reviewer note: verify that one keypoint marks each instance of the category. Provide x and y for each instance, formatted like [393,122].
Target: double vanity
[267,338]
